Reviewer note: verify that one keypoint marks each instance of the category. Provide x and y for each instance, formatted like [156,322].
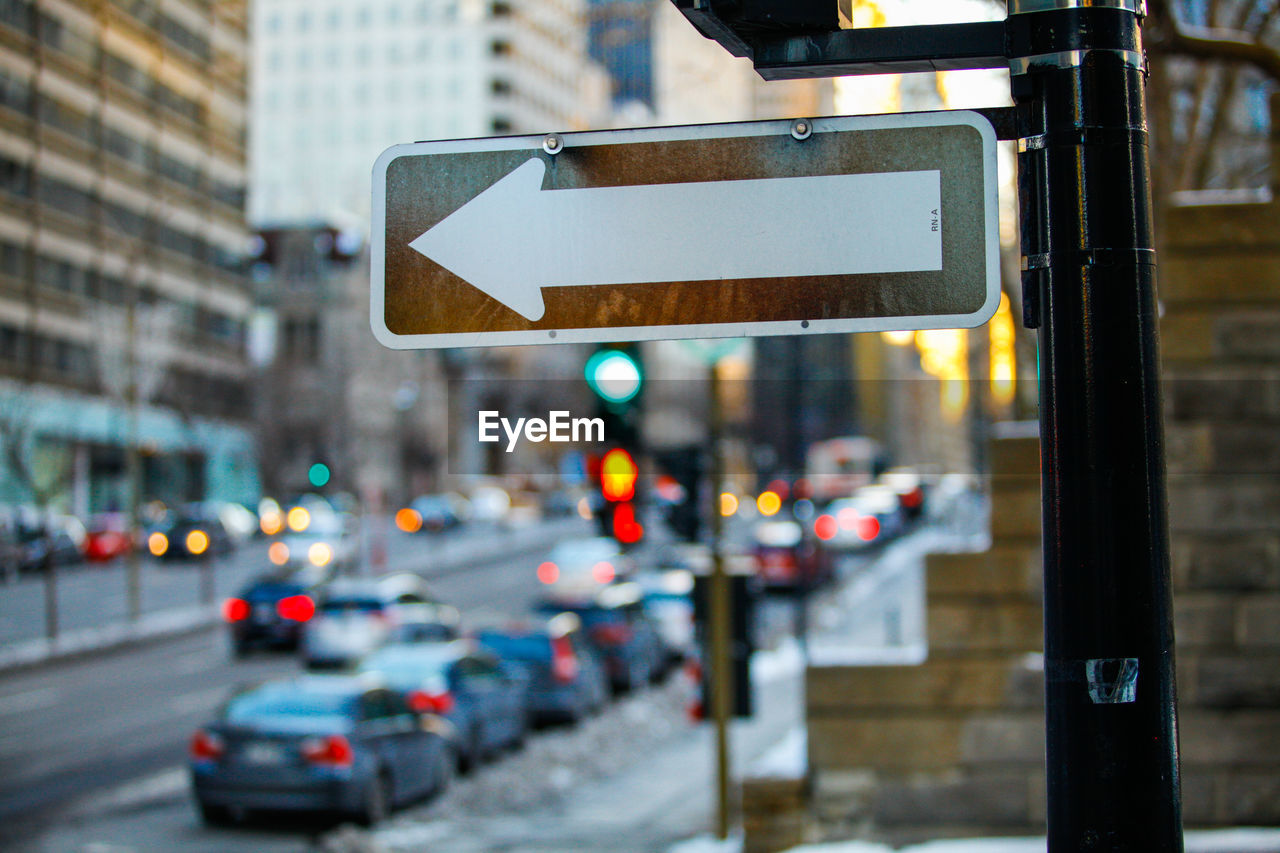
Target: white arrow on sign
[515,238]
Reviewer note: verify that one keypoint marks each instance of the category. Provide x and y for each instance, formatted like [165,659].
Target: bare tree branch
[1167,36]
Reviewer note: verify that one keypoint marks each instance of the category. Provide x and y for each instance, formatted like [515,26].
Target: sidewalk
[877,617]
[171,604]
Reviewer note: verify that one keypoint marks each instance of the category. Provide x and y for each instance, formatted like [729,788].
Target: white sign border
[832,124]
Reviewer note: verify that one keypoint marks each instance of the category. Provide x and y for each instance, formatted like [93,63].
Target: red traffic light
[626,529]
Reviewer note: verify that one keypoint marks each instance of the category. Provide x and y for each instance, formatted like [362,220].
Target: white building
[335,83]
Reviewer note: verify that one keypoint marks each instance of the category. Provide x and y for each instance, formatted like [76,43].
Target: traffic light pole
[1089,285]
[718,614]
[1078,77]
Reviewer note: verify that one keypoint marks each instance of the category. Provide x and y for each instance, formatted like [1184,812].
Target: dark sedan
[270,612]
[327,743]
[619,630]
[191,536]
[566,679]
[484,700]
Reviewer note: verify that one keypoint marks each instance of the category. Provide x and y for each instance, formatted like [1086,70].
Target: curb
[168,624]
[153,627]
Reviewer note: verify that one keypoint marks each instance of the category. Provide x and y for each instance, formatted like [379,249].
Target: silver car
[357,615]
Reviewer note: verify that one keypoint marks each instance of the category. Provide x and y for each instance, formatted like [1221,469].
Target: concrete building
[123,298]
[334,85]
[324,391]
[337,83]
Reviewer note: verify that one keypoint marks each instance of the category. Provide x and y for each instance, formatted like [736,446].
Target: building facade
[337,83]
[123,296]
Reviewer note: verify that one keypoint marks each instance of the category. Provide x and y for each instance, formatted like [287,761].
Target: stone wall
[1220,290]
[956,746]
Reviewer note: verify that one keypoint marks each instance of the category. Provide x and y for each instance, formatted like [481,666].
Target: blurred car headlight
[320,554]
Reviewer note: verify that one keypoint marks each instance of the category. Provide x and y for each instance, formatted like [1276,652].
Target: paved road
[100,744]
[72,727]
[92,596]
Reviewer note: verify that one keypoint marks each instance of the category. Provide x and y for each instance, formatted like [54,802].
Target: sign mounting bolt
[552,143]
[802,128]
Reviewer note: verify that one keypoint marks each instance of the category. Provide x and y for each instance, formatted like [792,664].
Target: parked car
[28,536]
[578,567]
[269,612]
[357,615]
[191,534]
[620,631]
[332,744]
[440,512]
[786,560]
[872,516]
[107,536]
[567,680]
[324,544]
[668,599]
[484,700]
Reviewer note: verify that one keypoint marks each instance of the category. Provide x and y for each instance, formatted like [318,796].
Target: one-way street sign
[856,223]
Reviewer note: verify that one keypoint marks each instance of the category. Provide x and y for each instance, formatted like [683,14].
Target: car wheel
[446,769]
[212,815]
[470,755]
[518,739]
[377,801]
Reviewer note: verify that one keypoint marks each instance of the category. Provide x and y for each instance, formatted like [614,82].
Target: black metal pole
[1111,716]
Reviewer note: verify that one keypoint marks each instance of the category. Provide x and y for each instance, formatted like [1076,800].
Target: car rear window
[351,605]
[590,616]
[518,647]
[288,703]
[271,591]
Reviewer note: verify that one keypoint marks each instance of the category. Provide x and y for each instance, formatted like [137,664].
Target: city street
[67,728]
[92,752]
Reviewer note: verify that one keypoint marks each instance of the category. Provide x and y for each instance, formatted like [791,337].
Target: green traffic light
[318,474]
[613,375]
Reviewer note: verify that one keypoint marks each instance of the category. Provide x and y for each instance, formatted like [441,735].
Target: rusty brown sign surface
[854,223]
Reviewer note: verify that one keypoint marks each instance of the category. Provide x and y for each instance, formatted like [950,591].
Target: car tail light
[235,610]
[296,608]
[603,572]
[548,572]
[611,635]
[206,746]
[331,751]
[564,664]
[868,528]
[431,703]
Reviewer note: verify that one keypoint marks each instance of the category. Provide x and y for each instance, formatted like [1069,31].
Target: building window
[19,15]
[301,339]
[501,124]
[500,47]
[15,92]
[124,146]
[15,177]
